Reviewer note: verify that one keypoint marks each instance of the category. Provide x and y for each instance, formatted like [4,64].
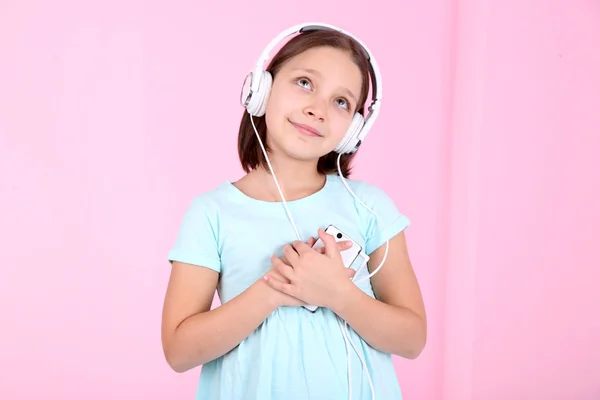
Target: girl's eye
[304,83]
[344,103]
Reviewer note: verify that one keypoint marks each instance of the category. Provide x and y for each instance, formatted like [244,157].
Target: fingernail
[266,277]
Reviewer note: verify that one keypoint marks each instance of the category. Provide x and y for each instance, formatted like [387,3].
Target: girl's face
[312,102]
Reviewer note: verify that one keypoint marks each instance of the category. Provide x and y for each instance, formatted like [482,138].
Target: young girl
[252,241]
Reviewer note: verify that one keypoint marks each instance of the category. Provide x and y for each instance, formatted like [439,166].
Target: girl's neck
[292,174]
[296,181]
[295,184]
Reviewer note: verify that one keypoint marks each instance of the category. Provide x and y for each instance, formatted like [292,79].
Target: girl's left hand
[314,278]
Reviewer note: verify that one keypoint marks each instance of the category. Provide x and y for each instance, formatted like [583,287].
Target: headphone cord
[275,178]
[344,328]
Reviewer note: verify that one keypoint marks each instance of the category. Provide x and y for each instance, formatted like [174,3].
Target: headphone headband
[261,81]
[314,26]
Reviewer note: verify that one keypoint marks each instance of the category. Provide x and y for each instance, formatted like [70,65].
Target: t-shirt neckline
[246,198]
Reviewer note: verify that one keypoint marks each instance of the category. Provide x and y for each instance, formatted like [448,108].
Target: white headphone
[261,82]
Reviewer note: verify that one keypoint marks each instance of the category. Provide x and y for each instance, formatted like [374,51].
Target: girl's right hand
[283,300]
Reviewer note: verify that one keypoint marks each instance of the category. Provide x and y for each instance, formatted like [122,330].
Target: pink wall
[522,298]
[486,139]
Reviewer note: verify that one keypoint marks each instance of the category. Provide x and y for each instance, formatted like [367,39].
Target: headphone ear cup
[257,105]
[348,143]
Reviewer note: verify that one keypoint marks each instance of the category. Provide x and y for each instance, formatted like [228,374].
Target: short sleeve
[197,239]
[390,221]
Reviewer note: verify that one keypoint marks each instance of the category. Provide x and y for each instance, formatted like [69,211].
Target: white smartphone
[348,255]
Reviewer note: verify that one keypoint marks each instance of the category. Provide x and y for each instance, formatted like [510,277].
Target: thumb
[331,247]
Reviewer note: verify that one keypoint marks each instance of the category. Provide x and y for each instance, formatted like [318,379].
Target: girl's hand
[313,277]
[277,298]
[343,245]
[281,299]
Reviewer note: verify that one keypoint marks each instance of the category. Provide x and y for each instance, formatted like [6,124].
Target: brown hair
[249,151]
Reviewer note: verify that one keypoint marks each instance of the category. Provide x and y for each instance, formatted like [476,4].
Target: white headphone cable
[275,178]
[387,243]
[344,328]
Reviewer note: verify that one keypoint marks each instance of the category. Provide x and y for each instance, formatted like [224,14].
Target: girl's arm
[395,322]
[192,334]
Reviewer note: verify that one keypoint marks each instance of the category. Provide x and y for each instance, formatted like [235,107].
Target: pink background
[487,141]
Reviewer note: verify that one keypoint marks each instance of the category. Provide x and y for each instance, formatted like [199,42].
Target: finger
[290,254]
[350,272]
[280,286]
[276,275]
[285,270]
[301,247]
[311,242]
[331,247]
[344,245]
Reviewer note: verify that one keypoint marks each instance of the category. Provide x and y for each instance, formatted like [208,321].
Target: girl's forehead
[322,56]
[332,64]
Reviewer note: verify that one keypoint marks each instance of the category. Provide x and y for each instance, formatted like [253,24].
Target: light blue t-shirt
[294,354]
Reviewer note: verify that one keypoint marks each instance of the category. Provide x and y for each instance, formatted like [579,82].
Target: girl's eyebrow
[317,73]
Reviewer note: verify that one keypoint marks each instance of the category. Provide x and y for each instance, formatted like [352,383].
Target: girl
[262,343]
